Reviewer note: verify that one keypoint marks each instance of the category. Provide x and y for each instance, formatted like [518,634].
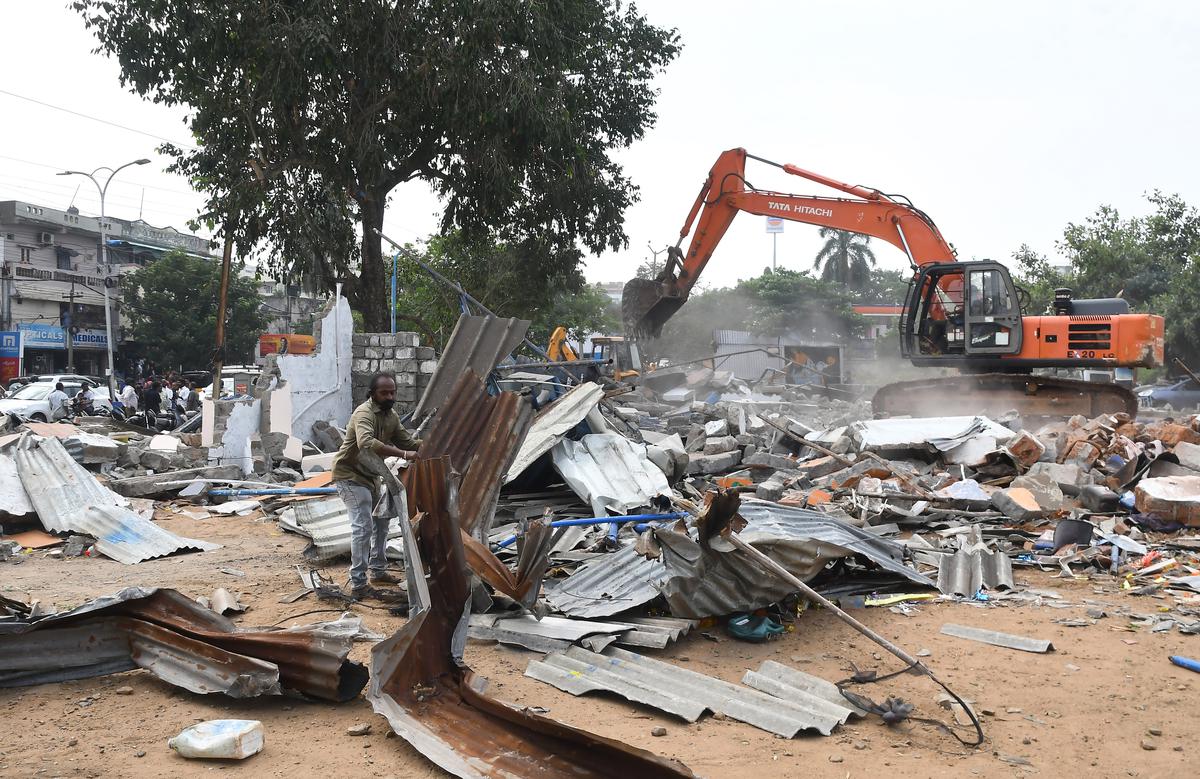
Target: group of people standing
[170,395]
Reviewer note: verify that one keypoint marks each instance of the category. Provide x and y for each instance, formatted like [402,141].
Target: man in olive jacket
[374,427]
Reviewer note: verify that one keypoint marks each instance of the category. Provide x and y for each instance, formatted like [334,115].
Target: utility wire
[96,119]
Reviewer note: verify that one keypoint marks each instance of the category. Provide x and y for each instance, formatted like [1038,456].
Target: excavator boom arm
[647,305]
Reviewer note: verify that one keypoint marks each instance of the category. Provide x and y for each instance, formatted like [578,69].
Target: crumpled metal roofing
[552,423]
[434,702]
[938,433]
[481,434]
[684,693]
[182,643]
[699,584]
[610,472]
[965,573]
[478,344]
[69,499]
[327,523]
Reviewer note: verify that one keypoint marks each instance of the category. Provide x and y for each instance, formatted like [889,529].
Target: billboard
[10,355]
[774,224]
[284,343]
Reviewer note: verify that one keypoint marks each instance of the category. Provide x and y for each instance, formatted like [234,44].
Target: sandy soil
[1089,706]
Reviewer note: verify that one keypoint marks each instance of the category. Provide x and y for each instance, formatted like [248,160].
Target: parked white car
[31,402]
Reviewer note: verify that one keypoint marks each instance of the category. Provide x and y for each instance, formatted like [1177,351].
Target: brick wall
[399,353]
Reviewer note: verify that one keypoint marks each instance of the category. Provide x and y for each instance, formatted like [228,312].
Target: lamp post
[108,331]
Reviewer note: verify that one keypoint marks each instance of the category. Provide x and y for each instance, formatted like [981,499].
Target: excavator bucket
[645,308]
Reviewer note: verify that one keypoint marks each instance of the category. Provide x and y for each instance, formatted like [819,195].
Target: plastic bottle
[231,739]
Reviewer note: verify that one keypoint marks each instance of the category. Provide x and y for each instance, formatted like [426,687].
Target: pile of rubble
[602,521]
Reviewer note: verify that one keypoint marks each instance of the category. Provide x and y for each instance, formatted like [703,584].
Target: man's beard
[386,405]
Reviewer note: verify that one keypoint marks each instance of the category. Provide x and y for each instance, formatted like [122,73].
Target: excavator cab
[959,310]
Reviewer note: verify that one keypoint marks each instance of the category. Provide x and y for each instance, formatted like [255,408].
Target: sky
[1002,121]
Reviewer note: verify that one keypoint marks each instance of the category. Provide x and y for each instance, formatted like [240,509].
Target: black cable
[895,710]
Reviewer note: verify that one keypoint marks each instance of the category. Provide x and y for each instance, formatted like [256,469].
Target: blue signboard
[37,336]
[10,344]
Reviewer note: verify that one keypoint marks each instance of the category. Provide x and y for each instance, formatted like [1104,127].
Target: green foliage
[170,306]
[1151,261]
[306,114]
[532,280]
[780,302]
[846,257]
[884,287]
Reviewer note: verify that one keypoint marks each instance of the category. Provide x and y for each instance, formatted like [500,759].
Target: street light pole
[108,331]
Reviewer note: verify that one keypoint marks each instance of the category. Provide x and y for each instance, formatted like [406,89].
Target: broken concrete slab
[1170,497]
[154,484]
[1018,504]
[90,449]
[713,463]
[1068,476]
[1025,449]
[720,444]
[1188,454]
[1045,490]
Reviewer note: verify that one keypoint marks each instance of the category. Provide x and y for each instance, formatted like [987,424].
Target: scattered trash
[223,739]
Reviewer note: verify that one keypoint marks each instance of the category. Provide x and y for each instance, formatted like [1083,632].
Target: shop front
[44,350]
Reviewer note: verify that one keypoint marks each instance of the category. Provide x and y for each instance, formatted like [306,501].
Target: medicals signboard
[283,343]
[90,339]
[774,224]
[37,336]
[10,355]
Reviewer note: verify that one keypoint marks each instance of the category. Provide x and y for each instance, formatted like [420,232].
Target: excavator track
[993,394]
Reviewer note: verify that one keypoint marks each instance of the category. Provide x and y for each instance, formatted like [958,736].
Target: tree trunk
[371,294]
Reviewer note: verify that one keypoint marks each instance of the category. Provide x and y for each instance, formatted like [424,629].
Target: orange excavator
[964,315]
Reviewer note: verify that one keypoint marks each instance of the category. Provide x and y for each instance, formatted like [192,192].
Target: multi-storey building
[52,281]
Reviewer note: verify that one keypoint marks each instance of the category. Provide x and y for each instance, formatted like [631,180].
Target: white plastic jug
[233,739]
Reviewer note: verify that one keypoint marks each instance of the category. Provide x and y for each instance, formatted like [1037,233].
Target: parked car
[1181,394]
[31,401]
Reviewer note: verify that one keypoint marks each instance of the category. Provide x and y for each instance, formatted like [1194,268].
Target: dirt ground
[1106,701]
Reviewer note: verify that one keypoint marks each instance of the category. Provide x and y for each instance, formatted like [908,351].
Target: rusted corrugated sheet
[481,435]
[181,642]
[433,701]
[68,498]
[477,344]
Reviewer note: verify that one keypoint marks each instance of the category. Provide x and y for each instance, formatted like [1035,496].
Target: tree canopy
[527,280]
[307,114]
[170,307]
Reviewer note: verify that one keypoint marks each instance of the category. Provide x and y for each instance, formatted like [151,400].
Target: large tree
[307,114]
[846,257]
[170,307]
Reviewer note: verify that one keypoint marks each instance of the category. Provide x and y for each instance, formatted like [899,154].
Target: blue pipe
[614,521]
[1186,662]
[274,491]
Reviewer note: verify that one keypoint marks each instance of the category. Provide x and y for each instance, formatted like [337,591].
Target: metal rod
[274,491]
[551,364]
[817,597]
[584,521]
[454,285]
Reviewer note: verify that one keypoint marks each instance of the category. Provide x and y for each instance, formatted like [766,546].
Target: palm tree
[846,257]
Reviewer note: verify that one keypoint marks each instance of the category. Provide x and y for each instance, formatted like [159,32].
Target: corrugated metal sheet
[996,638]
[557,633]
[934,433]
[552,423]
[477,344]
[965,573]
[327,523]
[697,583]
[820,695]
[13,499]
[434,702]
[481,435]
[610,472]
[181,642]
[69,499]
[608,585]
[686,694]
